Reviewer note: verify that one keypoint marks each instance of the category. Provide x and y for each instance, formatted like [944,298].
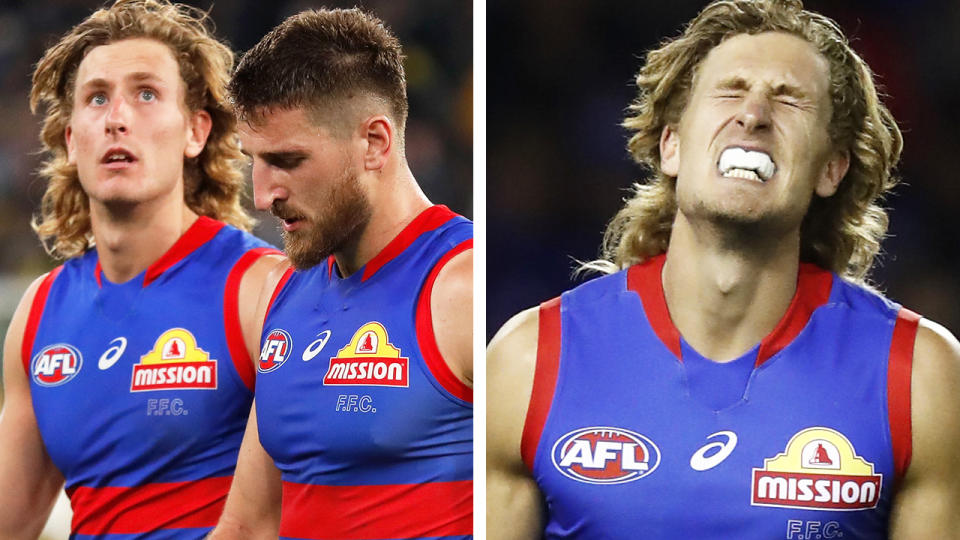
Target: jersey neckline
[813,290]
[199,233]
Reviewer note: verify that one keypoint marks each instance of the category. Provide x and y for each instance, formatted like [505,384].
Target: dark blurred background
[560,75]
[437,39]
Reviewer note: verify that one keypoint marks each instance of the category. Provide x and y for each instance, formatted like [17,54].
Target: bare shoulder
[18,323]
[451,308]
[511,364]
[255,290]
[926,501]
[935,391]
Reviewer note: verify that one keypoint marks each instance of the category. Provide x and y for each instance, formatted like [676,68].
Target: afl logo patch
[275,351]
[605,455]
[56,364]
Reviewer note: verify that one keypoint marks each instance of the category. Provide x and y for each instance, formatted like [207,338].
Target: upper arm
[925,505]
[451,308]
[255,291]
[514,502]
[252,509]
[29,481]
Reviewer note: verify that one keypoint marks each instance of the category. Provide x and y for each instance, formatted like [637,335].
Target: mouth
[117,158]
[290,221]
[737,162]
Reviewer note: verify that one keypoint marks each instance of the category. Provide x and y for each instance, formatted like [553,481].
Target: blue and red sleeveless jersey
[142,389]
[632,434]
[370,429]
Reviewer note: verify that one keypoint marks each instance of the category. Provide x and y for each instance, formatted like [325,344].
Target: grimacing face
[303,174]
[752,145]
[129,130]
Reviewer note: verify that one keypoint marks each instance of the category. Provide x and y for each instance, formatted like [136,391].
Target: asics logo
[111,355]
[314,348]
[700,461]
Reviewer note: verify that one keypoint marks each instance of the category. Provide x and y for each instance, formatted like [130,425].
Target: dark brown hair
[318,57]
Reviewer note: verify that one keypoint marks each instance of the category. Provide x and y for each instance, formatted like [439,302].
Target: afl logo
[605,455]
[56,364]
[275,351]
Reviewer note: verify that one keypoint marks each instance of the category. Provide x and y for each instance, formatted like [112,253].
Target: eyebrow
[137,77]
[782,89]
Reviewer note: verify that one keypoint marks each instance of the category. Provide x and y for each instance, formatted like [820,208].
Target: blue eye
[98,99]
[148,95]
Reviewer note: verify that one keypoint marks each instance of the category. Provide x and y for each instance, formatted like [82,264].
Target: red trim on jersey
[426,338]
[141,509]
[202,230]
[231,315]
[331,260]
[428,220]
[544,379]
[899,370]
[646,280]
[813,290]
[33,318]
[98,273]
[283,281]
[387,511]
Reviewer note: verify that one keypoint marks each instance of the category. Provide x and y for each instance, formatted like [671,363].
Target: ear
[377,133]
[71,149]
[197,133]
[833,172]
[670,151]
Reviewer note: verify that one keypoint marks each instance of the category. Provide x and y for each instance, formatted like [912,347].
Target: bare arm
[514,502]
[29,481]
[926,504]
[252,509]
[451,305]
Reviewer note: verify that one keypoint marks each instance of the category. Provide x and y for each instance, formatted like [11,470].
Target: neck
[395,200]
[725,295]
[130,238]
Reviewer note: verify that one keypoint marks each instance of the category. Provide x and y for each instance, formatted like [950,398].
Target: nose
[117,119]
[754,113]
[266,186]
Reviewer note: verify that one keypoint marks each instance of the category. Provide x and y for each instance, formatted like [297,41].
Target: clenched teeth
[737,161]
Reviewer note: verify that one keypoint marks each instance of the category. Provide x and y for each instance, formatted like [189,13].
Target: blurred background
[560,75]
[437,39]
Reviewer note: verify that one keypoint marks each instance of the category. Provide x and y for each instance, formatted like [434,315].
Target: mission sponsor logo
[368,360]
[819,469]
[275,351]
[176,362]
[56,364]
[605,455]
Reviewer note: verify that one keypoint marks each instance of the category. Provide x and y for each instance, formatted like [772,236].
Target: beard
[344,216]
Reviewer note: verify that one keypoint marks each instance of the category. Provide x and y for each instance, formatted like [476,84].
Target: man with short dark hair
[363,417]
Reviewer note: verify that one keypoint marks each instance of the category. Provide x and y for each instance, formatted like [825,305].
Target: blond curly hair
[841,233]
[213,181]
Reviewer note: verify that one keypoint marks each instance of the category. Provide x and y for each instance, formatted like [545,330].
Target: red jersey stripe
[544,379]
[899,371]
[428,220]
[813,290]
[33,318]
[202,230]
[283,281]
[386,511]
[426,338]
[231,315]
[646,280]
[128,510]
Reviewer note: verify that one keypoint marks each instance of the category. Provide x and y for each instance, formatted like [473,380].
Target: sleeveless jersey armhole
[231,315]
[33,319]
[544,380]
[426,338]
[899,370]
[280,285]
